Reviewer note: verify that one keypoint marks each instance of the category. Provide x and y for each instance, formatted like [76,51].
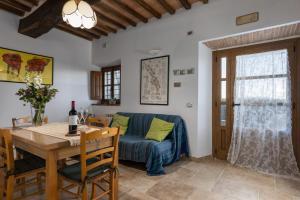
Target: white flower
[37,81]
[27,79]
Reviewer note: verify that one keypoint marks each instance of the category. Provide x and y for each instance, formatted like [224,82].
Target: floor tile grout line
[218,179]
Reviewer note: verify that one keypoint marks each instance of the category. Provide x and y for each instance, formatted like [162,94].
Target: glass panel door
[221,115]
[251,80]
[223,92]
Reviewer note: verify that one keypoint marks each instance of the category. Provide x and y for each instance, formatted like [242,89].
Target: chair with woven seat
[13,172]
[92,169]
[23,122]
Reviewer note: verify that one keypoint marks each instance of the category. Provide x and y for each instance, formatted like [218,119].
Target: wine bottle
[73,119]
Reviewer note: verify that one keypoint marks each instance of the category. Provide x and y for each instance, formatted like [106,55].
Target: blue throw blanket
[133,145]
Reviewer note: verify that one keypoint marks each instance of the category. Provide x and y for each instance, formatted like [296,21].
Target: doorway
[229,81]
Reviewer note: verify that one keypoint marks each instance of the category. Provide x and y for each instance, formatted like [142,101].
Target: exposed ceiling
[113,15]
[18,7]
[269,34]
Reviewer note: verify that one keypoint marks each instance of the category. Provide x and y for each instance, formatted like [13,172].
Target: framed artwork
[14,65]
[154,83]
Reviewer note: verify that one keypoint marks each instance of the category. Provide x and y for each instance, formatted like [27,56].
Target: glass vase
[38,117]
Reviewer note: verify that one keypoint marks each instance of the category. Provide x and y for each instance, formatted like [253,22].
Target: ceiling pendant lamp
[79,14]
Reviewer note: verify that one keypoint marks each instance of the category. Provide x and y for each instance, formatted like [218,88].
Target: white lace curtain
[262,128]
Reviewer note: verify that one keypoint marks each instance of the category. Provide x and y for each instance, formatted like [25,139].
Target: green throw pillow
[159,129]
[120,121]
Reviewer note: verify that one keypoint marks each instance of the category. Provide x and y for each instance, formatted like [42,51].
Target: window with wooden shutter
[111,89]
[106,85]
[96,85]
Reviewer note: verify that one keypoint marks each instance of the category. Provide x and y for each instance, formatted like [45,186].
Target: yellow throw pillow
[120,121]
[159,129]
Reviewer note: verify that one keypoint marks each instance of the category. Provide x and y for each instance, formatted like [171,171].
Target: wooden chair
[13,172]
[99,121]
[24,121]
[92,169]
[21,122]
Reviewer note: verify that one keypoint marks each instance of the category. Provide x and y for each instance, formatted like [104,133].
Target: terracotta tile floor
[208,179]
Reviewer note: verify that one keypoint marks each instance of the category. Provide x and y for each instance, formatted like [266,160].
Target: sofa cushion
[159,129]
[120,121]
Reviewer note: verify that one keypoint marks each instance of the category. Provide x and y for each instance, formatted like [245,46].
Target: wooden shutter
[96,85]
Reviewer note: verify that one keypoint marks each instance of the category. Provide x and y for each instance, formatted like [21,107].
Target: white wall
[72,58]
[204,100]
[215,19]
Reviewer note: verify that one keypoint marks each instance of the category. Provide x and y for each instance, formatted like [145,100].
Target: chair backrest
[6,150]
[96,136]
[99,121]
[23,121]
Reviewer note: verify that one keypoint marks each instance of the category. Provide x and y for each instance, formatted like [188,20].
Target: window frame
[111,69]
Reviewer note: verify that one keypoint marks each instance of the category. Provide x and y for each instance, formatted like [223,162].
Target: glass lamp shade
[79,15]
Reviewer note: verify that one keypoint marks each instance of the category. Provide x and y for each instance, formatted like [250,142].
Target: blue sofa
[134,147]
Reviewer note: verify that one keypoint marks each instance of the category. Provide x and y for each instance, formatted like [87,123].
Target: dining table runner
[60,130]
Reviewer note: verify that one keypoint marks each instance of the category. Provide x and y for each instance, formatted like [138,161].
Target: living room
[184,38]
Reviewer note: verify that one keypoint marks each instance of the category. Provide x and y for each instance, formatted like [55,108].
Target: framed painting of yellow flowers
[16,65]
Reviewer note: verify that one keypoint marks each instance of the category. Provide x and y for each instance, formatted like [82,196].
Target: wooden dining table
[52,149]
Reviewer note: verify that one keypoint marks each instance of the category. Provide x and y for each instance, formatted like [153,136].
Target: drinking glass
[85,115]
[80,115]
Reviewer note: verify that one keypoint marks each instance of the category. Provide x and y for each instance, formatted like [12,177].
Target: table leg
[2,184]
[51,176]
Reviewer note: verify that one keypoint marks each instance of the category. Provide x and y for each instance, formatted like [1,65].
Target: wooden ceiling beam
[33,2]
[108,19]
[149,8]
[17,5]
[11,9]
[96,34]
[166,6]
[97,31]
[112,11]
[185,4]
[26,3]
[101,31]
[74,31]
[131,11]
[105,28]
[43,19]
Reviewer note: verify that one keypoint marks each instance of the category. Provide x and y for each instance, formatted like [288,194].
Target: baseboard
[197,159]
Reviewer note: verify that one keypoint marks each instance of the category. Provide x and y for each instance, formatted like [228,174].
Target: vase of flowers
[37,95]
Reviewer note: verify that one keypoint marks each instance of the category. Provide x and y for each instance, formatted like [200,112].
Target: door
[224,73]
[222,101]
